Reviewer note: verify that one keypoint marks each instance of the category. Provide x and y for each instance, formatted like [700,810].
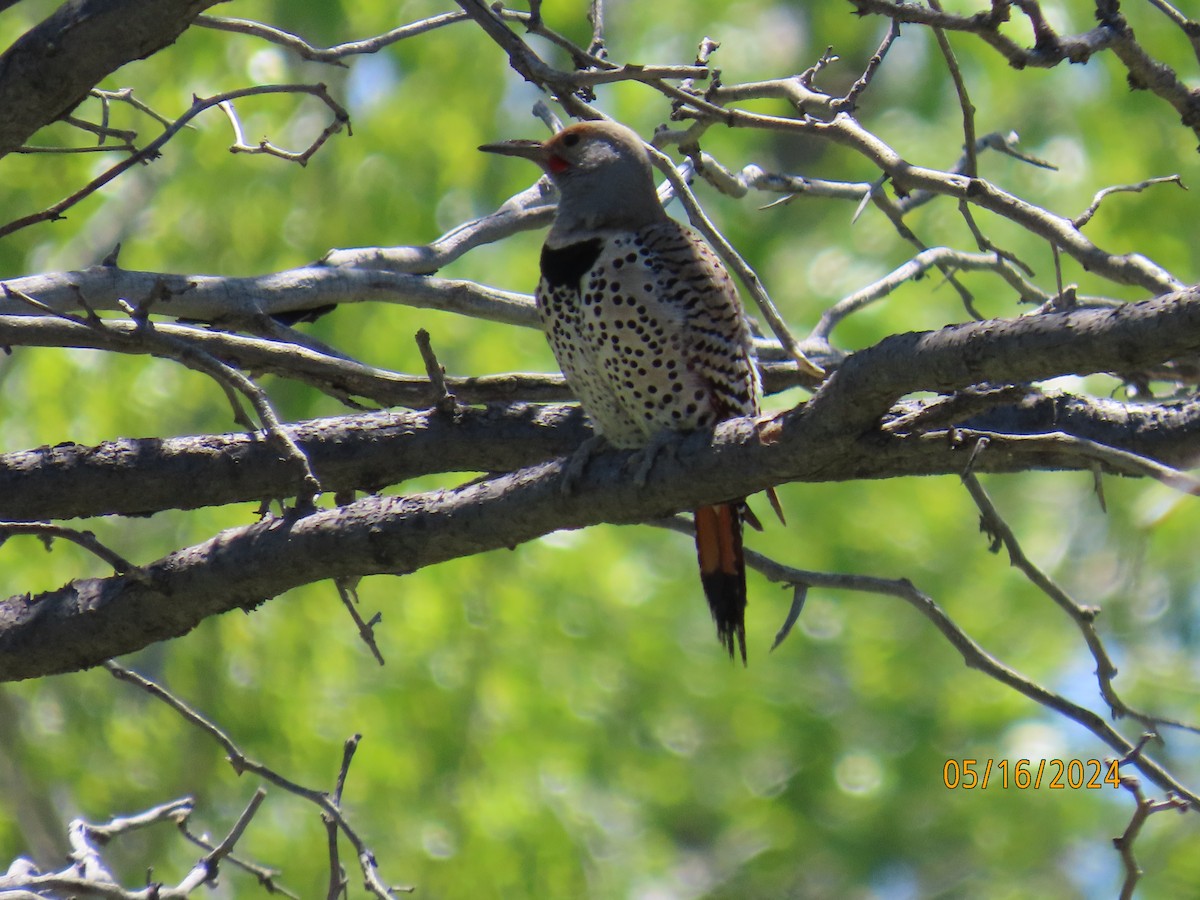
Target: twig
[531,208]
[809,75]
[176,811]
[971,169]
[348,592]
[974,656]
[101,131]
[348,750]
[735,262]
[126,95]
[1113,33]
[550,119]
[332,55]
[88,864]
[338,879]
[1086,216]
[1084,617]
[197,359]
[596,19]
[442,399]
[895,212]
[909,179]
[264,875]
[1144,807]
[241,764]
[1188,26]
[96,148]
[799,595]
[850,100]
[334,375]
[205,871]
[151,150]
[47,531]
[190,715]
[942,258]
[1118,460]
[240,145]
[753,177]
[89,876]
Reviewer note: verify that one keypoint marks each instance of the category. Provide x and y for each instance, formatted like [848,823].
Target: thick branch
[369,451]
[1120,339]
[360,452]
[90,620]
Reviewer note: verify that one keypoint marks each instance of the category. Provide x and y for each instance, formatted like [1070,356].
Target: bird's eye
[570,139]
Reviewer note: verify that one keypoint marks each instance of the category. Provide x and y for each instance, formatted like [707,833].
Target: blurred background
[558,721]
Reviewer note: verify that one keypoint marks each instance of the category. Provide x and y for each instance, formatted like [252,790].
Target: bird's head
[601,169]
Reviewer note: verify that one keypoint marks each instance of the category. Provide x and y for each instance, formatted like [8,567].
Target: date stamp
[1026,774]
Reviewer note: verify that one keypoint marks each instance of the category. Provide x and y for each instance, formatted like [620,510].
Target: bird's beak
[534,151]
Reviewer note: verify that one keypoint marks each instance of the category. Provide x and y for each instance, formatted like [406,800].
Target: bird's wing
[715,338]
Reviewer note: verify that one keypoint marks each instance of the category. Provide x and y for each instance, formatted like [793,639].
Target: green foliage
[557,721]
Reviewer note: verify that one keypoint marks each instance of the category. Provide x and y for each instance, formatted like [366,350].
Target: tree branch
[90,620]
[212,298]
[366,452]
[1006,351]
[50,69]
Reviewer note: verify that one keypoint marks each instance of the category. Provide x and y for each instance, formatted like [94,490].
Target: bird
[646,325]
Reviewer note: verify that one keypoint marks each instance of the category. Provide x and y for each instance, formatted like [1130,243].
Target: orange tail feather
[723,571]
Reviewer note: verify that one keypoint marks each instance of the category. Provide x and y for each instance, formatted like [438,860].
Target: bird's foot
[578,461]
[644,459]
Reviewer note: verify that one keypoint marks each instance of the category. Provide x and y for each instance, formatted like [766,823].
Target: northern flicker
[645,323]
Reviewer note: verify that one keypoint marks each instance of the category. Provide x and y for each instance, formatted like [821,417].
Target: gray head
[602,172]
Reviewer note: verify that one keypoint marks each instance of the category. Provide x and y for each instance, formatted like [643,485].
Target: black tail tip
[726,595]
[728,632]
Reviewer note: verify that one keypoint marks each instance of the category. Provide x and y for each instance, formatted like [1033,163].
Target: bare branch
[936,257]
[151,341]
[328,806]
[532,208]
[348,592]
[50,69]
[737,265]
[1086,216]
[877,377]
[335,375]
[1084,617]
[1113,457]
[332,55]
[974,656]
[1050,48]
[47,531]
[89,875]
[441,396]
[849,101]
[151,150]
[1144,807]
[217,299]
[359,452]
